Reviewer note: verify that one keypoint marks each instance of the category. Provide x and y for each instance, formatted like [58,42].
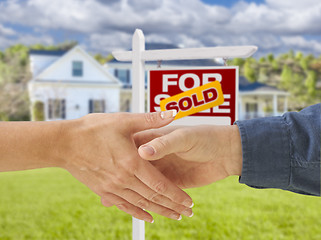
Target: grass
[51,204]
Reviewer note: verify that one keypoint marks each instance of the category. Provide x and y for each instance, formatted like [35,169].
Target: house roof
[154,46]
[65,54]
[47,52]
[246,86]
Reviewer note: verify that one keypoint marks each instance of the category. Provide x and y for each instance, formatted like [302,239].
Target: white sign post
[139,55]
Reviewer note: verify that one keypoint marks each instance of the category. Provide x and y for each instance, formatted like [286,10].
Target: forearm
[283,152]
[29,145]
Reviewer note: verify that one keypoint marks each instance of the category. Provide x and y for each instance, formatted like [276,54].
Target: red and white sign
[166,83]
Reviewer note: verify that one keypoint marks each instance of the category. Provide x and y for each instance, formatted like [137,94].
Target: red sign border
[236,68]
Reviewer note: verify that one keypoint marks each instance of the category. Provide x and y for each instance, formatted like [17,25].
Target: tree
[310,83]
[249,70]
[286,77]
[263,75]
[270,57]
[100,58]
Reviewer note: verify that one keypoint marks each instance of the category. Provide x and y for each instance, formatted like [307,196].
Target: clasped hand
[103,155]
[134,164]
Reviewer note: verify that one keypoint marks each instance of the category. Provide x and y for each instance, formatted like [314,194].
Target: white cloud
[109,24]
[25,39]
[6,31]
[106,43]
[302,43]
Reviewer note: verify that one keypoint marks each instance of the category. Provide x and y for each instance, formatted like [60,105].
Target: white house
[255,99]
[69,85]
[260,100]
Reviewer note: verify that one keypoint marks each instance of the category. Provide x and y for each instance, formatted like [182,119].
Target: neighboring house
[69,85]
[255,99]
[260,100]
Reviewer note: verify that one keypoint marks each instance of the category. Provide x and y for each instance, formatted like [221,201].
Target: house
[260,100]
[255,99]
[69,85]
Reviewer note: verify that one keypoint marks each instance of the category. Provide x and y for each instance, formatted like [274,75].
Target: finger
[127,207]
[143,121]
[106,202]
[141,202]
[155,199]
[174,142]
[151,177]
[143,137]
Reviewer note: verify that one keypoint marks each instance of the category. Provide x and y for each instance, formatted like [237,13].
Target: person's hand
[102,154]
[193,156]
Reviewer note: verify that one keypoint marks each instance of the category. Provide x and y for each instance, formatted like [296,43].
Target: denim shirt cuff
[266,153]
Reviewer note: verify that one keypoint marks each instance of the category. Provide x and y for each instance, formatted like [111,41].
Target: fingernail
[188,213]
[152,221]
[188,203]
[168,114]
[176,216]
[148,149]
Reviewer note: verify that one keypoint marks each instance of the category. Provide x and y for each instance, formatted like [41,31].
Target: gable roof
[47,52]
[246,86]
[65,54]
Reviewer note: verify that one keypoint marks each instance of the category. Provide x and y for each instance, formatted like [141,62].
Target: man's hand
[193,156]
[99,150]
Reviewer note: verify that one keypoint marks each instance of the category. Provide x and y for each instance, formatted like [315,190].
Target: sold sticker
[195,100]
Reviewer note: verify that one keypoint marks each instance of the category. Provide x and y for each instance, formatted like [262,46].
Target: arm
[275,152]
[283,152]
[99,151]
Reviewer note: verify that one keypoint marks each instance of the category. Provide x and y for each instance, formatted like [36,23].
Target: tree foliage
[296,73]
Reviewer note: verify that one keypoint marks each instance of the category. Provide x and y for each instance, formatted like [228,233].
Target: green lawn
[50,204]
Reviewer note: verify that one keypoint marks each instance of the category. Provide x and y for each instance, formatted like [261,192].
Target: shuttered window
[56,109]
[97,106]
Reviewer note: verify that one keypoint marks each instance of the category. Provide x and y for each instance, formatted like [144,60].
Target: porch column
[275,105]
[285,107]
[240,110]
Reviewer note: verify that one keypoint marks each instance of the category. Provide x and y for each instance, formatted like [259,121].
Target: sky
[101,26]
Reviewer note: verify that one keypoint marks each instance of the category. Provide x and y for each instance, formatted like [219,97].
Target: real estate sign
[200,95]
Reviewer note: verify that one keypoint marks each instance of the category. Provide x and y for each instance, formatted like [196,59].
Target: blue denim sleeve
[283,152]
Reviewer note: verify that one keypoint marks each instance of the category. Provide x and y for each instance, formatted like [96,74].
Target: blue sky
[229,3]
[101,26]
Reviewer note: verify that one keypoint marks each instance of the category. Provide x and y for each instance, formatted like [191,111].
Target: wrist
[234,166]
[65,134]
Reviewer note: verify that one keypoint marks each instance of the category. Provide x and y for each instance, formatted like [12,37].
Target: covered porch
[257,104]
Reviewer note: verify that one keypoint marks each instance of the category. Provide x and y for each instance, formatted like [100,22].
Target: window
[123,75]
[77,69]
[127,105]
[96,106]
[251,108]
[57,109]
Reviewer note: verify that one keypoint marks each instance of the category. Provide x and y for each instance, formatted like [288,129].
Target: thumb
[174,142]
[143,121]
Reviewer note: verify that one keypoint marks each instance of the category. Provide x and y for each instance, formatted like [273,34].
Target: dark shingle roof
[47,52]
[245,85]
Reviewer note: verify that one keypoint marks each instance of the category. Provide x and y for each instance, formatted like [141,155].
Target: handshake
[130,160]
[134,164]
